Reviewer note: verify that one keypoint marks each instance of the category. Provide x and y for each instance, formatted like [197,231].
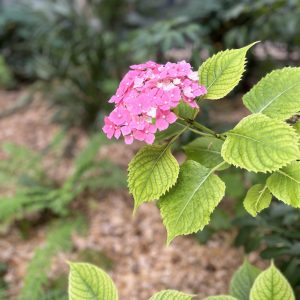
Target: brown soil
[142,263]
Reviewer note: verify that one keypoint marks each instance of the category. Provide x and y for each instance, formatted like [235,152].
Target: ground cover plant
[248,283]
[275,234]
[34,198]
[37,192]
[154,97]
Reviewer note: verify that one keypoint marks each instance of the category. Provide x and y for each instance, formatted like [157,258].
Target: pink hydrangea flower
[146,96]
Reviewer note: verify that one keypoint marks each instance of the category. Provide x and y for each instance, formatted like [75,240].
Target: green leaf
[221,297]
[152,172]
[171,295]
[257,199]
[171,131]
[277,95]
[223,71]
[242,280]
[206,151]
[285,184]
[271,285]
[187,207]
[87,282]
[297,127]
[261,144]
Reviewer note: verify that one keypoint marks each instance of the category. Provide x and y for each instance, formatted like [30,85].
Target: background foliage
[76,54]
[81,51]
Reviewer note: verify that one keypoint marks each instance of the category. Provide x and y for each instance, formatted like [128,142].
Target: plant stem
[194,130]
[174,138]
[203,129]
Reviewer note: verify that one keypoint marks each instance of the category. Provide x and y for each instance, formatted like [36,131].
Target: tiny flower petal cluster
[146,96]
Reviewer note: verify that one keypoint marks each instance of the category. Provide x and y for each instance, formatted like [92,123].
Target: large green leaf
[297,127]
[223,71]
[187,207]
[151,173]
[257,199]
[271,285]
[261,144]
[277,95]
[171,295]
[206,151]
[285,184]
[242,281]
[221,297]
[87,282]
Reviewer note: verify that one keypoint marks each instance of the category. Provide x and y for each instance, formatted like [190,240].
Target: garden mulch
[142,264]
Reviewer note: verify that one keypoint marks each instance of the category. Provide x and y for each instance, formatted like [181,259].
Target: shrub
[275,234]
[35,191]
[262,142]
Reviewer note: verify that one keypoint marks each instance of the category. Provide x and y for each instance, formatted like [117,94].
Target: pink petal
[161,124]
[149,139]
[171,117]
[128,139]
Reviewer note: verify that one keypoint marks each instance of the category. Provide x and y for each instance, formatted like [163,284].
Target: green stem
[201,127]
[195,130]
[204,130]
[174,138]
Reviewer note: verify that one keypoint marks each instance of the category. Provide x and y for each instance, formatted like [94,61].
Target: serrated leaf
[277,95]
[206,151]
[221,297]
[152,172]
[297,127]
[87,282]
[258,198]
[271,285]
[242,280]
[223,71]
[260,144]
[285,184]
[171,295]
[187,207]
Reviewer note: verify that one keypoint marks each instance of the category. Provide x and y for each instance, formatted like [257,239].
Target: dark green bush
[80,53]
[276,234]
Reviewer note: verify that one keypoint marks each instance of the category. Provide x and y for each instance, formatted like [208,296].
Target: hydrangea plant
[153,98]
[87,282]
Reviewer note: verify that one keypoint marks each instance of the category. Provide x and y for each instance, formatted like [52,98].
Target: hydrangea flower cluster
[146,96]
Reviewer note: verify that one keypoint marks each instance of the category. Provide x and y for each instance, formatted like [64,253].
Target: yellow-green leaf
[261,144]
[171,295]
[257,199]
[277,95]
[223,71]
[87,282]
[152,172]
[285,184]
[221,297]
[271,285]
[187,207]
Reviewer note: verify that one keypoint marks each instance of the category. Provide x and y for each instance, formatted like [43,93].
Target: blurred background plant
[80,49]
[34,189]
[74,53]
[276,234]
